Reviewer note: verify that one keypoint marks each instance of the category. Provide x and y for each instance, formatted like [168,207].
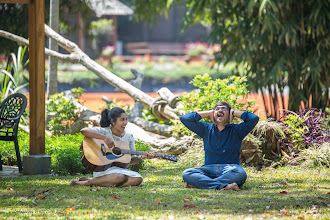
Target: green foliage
[279,43]
[231,90]
[7,148]
[296,131]
[62,111]
[13,76]
[140,146]
[316,156]
[162,70]
[306,129]
[101,26]
[162,196]
[14,19]
[65,153]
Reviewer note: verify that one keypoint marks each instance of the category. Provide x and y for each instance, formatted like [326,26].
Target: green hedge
[64,151]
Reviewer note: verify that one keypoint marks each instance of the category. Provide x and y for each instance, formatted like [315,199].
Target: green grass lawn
[168,72]
[284,193]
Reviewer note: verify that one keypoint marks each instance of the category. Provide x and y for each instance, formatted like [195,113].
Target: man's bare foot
[232,186]
[189,186]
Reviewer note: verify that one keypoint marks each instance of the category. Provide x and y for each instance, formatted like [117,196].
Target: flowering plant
[198,48]
[108,51]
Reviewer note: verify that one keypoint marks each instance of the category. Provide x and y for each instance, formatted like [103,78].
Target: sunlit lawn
[270,193]
[169,72]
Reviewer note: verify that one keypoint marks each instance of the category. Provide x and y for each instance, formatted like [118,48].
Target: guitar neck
[140,153]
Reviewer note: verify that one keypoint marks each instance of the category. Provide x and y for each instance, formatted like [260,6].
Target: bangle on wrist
[232,112]
[105,138]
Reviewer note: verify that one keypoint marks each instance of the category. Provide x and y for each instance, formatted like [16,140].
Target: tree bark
[161,129]
[166,145]
[52,74]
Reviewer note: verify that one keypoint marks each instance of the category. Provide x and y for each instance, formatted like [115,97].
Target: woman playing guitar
[112,129]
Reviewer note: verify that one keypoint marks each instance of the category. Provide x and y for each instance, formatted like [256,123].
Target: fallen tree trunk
[160,143]
[167,145]
[161,129]
[78,56]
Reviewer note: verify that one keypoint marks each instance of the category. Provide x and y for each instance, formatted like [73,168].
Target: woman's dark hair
[222,104]
[110,116]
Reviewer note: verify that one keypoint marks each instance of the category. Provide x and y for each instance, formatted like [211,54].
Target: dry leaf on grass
[189,206]
[40,195]
[157,201]
[115,196]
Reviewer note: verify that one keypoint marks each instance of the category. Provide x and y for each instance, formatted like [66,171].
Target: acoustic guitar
[98,157]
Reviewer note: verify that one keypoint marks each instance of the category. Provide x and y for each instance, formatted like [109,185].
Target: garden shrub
[208,93]
[7,148]
[14,78]
[62,111]
[305,128]
[65,153]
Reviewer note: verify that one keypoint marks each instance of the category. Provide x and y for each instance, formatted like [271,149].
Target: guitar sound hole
[116,151]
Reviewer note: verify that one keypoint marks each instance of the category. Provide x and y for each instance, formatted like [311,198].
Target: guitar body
[94,158]
[98,157]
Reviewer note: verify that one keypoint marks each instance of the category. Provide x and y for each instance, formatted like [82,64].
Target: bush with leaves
[7,149]
[232,90]
[63,111]
[65,153]
[305,128]
[13,78]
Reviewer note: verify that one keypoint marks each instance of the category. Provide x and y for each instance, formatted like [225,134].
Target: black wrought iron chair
[11,110]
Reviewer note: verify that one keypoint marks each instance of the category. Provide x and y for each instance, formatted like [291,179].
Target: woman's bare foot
[83,178]
[78,183]
[232,186]
[74,183]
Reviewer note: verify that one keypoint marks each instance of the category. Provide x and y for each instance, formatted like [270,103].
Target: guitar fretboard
[162,155]
[139,152]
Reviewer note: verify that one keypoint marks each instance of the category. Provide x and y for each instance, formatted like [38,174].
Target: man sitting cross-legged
[222,143]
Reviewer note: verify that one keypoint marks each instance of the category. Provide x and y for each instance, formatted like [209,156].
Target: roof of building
[108,7]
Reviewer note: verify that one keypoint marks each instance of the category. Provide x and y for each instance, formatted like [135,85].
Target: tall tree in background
[52,71]
[279,42]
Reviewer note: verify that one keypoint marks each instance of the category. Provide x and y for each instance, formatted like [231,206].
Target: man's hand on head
[231,115]
[211,116]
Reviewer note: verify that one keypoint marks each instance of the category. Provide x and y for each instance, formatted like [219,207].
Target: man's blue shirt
[221,147]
